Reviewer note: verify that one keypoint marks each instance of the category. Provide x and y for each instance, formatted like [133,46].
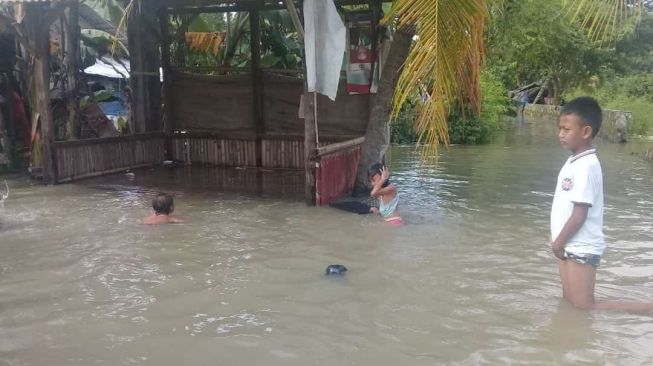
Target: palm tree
[447,55]
[446,58]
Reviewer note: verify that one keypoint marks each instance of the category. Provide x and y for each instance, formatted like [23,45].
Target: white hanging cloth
[324,43]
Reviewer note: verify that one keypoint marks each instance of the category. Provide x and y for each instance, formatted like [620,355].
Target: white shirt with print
[580,181]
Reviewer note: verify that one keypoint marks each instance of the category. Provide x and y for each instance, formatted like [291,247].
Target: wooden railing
[335,175]
[88,158]
[276,151]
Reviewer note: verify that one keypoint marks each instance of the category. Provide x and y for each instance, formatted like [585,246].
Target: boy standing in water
[163,206]
[577,210]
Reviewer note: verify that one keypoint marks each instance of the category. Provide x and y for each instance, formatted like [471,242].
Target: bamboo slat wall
[214,151]
[282,152]
[287,154]
[88,158]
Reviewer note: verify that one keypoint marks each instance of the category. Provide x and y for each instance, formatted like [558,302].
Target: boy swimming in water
[577,210]
[163,206]
[386,194]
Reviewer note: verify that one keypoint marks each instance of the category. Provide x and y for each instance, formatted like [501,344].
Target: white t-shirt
[580,181]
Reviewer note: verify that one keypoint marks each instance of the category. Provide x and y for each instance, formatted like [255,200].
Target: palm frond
[133,5]
[446,55]
[605,20]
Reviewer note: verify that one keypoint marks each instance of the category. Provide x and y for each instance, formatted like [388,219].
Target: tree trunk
[541,92]
[71,61]
[377,136]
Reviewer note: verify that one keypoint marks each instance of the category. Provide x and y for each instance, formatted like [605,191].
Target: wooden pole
[168,113]
[72,34]
[310,143]
[257,85]
[310,148]
[294,16]
[42,89]
[145,60]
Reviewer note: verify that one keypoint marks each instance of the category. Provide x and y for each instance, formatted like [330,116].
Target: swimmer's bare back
[154,219]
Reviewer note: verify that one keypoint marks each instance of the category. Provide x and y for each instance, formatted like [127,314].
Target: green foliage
[463,128]
[634,53]
[208,22]
[632,93]
[111,10]
[401,129]
[280,47]
[534,40]
[466,129]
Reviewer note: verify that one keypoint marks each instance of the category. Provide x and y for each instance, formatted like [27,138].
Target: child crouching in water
[386,194]
[163,206]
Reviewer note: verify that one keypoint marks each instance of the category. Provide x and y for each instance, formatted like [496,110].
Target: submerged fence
[88,158]
[335,173]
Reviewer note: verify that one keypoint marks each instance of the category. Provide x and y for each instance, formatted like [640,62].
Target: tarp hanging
[324,43]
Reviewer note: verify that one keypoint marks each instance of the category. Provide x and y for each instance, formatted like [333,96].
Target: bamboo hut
[224,116]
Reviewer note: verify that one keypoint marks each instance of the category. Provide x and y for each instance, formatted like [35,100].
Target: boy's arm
[378,189]
[573,224]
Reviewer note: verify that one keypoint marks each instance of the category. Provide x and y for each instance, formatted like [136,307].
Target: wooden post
[145,62]
[72,34]
[42,89]
[168,114]
[257,85]
[310,143]
[310,148]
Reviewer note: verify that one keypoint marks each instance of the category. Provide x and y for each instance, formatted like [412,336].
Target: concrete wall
[609,129]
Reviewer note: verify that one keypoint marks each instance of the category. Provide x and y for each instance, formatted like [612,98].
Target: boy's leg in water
[579,291]
[562,268]
[580,280]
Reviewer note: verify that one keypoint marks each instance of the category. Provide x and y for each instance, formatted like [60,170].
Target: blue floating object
[336,270]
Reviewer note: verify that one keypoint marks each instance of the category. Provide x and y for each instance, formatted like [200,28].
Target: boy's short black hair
[163,204]
[588,111]
[375,169]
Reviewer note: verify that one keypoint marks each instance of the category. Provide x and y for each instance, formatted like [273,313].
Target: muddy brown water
[468,281]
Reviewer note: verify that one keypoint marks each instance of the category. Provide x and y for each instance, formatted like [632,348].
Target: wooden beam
[257,85]
[145,59]
[72,60]
[310,149]
[340,146]
[294,16]
[212,6]
[42,89]
[168,105]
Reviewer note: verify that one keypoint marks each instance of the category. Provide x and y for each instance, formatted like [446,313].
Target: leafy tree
[531,41]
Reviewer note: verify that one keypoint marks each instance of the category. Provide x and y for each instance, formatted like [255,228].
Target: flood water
[468,281]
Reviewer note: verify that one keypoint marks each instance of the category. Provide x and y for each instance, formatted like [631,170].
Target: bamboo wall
[347,116]
[225,104]
[276,152]
[219,104]
[88,158]
[219,151]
